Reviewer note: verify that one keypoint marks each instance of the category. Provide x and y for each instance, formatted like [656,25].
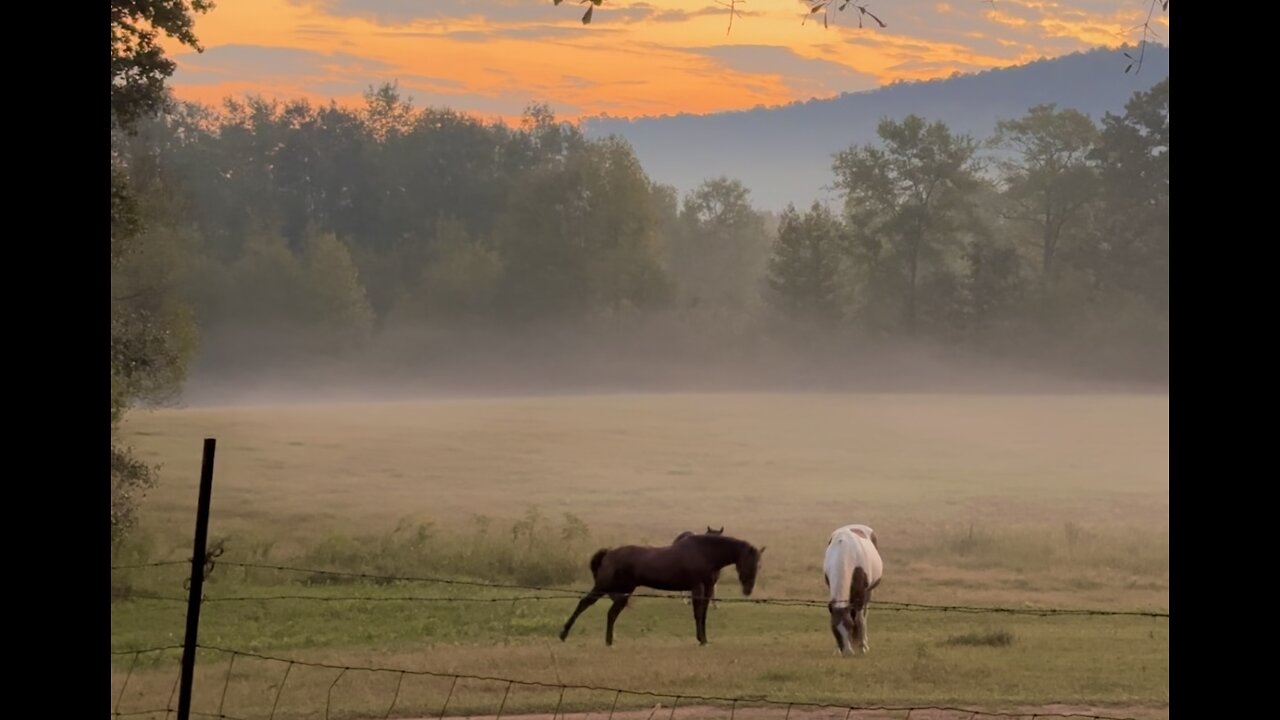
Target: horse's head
[846,626]
[715,532]
[748,566]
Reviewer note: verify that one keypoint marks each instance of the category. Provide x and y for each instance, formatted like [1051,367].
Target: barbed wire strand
[280,690]
[505,694]
[448,697]
[644,693]
[162,563]
[395,697]
[559,703]
[328,697]
[173,692]
[230,666]
[143,651]
[220,716]
[128,675]
[884,605]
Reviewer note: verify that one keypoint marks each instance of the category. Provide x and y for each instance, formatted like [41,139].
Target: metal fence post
[197,579]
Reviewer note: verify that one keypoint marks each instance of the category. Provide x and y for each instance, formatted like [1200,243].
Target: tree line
[346,221]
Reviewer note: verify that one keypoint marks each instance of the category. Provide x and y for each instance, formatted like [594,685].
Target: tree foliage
[1051,181]
[909,200]
[151,334]
[719,249]
[139,67]
[804,271]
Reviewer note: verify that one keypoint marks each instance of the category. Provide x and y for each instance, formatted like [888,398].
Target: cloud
[678,15]
[637,57]
[797,71]
[234,62]
[403,12]
[505,103]
[408,12]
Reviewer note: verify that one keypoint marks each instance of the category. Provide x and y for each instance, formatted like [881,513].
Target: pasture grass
[992,638]
[1019,501]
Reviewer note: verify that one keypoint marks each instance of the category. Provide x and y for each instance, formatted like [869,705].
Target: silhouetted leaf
[586,18]
[557,2]
[1128,68]
[816,8]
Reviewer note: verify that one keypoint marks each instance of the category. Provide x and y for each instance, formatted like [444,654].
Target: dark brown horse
[711,591]
[687,565]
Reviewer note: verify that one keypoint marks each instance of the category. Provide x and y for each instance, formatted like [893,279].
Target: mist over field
[307,251]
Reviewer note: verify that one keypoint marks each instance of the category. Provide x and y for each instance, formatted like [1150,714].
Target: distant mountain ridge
[783,154]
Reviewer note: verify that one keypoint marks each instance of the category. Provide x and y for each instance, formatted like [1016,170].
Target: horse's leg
[862,616]
[619,604]
[700,619]
[711,589]
[862,622]
[587,601]
[866,645]
[838,630]
[701,600]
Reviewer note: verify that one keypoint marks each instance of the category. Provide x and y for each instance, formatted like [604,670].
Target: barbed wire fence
[209,559]
[552,593]
[727,707]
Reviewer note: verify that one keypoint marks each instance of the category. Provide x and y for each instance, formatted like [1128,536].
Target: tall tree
[580,233]
[719,254]
[139,67]
[1131,250]
[910,198]
[804,270]
[1051,180]
[150,331]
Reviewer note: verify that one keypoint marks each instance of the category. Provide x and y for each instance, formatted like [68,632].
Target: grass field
[1016,501]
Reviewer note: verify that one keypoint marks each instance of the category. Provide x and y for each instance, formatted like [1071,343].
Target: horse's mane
[719,540]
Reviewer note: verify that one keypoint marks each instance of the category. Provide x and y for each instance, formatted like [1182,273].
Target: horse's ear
[762,547]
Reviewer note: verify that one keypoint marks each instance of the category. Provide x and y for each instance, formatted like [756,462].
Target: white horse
[852,570]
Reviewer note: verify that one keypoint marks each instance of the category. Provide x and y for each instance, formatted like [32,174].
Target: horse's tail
[596,560]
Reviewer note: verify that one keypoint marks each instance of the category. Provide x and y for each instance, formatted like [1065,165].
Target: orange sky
[492,57]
